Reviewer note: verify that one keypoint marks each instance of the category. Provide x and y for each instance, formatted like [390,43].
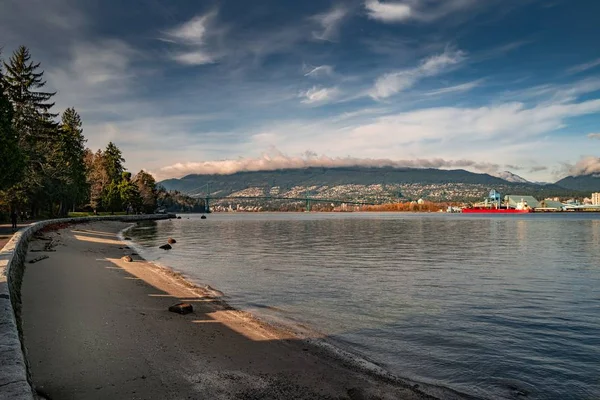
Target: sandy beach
[97,327]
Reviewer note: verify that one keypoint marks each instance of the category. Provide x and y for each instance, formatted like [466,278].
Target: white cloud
[194,58]
[192,36]
[593,135]
[422,11]
[391,83]
[274,160]
[319,95]
[329,23]
[585,166]
[584,67]
[465,87]
[321,70]
[552,93]
[388,12]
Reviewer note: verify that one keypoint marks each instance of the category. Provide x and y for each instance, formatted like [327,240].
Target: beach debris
[40,258]
[127,258]
[178,217]
[126,238]
[181,308]
[165,247]
[171,241]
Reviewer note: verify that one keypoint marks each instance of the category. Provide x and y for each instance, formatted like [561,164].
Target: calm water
[496,307]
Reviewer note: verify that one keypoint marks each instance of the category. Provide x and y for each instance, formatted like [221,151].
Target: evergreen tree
[113,162]
[10,155]
[72,159]
[111,198]
[35,129]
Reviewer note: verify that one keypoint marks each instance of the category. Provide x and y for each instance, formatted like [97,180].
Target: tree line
[45,168]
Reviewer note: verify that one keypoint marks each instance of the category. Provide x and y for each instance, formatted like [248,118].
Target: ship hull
[494,211]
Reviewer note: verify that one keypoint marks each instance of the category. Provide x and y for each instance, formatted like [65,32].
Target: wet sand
[96,327]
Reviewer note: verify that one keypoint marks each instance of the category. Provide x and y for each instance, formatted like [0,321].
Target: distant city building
[596,199]
[550,205]
[587,200]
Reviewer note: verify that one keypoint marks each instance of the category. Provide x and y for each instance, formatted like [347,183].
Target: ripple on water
[496,307]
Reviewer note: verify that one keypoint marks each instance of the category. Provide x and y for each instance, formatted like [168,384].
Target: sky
[220,86]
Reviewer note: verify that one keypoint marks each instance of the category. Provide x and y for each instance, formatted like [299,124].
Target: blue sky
[218,86]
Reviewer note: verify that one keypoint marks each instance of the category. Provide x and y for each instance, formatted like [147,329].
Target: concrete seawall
[14,377]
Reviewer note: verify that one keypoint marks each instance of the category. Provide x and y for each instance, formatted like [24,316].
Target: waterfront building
[550,205]
[514,199]
[596,198]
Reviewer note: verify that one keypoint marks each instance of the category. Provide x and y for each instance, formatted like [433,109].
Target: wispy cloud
[192,37]
[593,135]
[422,11]
[329,23]
[465,87]
[321,70]
[391,83]
[584,67]
[538,168]
[553,93]
[316,95]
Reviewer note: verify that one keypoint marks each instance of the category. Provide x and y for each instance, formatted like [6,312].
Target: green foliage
[130,195]
[113,162]
[45,168]
[174,201]
[111,198]
[11,159]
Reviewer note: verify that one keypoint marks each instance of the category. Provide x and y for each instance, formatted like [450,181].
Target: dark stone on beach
[126,238]
[178,217]
[127,258]
[171,241]
[181,308]
[165,247]
[203,217]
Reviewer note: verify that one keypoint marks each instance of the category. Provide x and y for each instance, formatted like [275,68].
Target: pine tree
[71,159]
[11,161]
[113,162]
[34,126]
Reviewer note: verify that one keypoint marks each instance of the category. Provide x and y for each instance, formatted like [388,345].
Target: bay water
[499,307]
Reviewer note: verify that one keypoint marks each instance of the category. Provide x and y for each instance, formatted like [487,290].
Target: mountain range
[372,184]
